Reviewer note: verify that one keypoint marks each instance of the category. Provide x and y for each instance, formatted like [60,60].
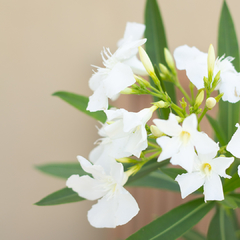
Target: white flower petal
[114,211]
[213,188]
[137,142]
[195,72]
[220,164]
[136,66]
[189,183]
[190,124]
[98,101]
[204,144]
[95,81]
[95,170]
[86,187]
[120,77]
[185,157]
[184,55]
[170,146]
[230,86]
[239,170]
[102,214]
[127,207]
[170,126]
[133,31]
[117,172]
[233,145]
[194,62]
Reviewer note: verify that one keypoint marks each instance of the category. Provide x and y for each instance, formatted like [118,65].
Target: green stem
[149,151]
[202,115]
[153,145]
[177,109]
[153,156]
[179,86]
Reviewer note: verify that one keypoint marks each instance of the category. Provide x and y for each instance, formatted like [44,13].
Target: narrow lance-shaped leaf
[156,42]
[193,235]
[175,223]
[65,195]
[221,227]
[228,45]
[80,102]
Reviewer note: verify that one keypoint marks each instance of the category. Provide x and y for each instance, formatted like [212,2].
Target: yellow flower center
[185,136]
[206,168]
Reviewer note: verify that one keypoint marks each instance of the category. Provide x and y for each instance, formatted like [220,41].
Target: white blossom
[195,63]
[131,125]
[184,139]
[115,206]
[234,143]
[206,172]
[119,69]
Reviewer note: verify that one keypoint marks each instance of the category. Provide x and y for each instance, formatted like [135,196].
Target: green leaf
[62,170]
[229,202]
[228,45]
[175,223]
[217,130]
[193,235]
[156,179]
[173,172]
[65,195]
[156,42]
[80,102]
[221,227]
[236,198]
[232,183]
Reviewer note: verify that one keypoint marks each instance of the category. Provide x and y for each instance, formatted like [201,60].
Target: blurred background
[47,46]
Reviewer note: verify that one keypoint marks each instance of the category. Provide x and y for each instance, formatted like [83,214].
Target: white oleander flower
[234,143]
[116,206]
[184,139]
[207,172]
[108,145]
[196,65]
[119,70]
[130,125]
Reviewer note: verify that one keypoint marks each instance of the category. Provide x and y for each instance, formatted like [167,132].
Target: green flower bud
[169,60]
[211,61]
[155,131]
[146,61]
[199,99]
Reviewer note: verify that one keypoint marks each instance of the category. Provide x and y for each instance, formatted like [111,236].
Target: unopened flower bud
[218,97]
[164,70]
[153,108]
[183,103]
[216,80]
[141,80]
[179,120]
[211,102]
[211,61]
[126,160]
[169,60]
[127,91]
[146,61]
[199,99]
[155,131]
[161,104]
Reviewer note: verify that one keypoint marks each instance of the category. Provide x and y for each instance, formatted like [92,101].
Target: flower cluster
[126,137]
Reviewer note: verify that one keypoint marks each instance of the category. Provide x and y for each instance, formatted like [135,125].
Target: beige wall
[46,46]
